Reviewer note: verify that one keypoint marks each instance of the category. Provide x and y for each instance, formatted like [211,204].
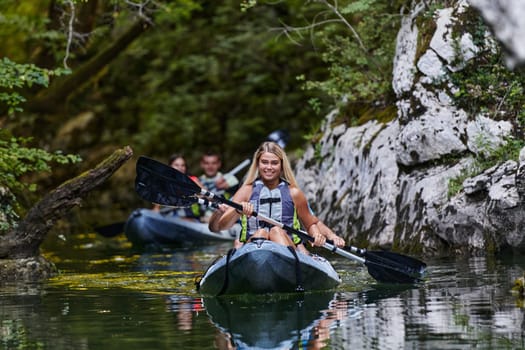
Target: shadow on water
[383,291]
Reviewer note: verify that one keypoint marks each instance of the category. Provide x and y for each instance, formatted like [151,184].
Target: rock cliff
[388,185]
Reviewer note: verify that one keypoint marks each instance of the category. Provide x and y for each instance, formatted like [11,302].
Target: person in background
[178,162]
[214,181]
[270,184]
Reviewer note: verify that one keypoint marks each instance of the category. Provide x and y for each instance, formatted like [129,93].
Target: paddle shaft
[328,245]
[239,167]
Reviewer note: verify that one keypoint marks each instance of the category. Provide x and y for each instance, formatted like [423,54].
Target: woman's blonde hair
[286,168]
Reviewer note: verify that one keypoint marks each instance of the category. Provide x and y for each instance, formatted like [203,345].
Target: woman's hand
[222,207]
[330,235]
[247,209]
[319,239]
[338,241]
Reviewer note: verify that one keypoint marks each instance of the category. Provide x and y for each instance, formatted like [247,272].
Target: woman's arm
[329,234]
[308,220]
[229,216]
[213,223]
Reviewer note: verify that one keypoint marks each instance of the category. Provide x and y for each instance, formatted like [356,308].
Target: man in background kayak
[215,181]
[270,189]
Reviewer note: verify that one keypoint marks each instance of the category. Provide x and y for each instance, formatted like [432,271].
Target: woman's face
[179,164]
[269,166]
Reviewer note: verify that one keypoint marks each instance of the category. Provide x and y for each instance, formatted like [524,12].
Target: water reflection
[97,319]
[180,259]
[186,308]
[274,322]
[465,303]
[109,297]
[307,321]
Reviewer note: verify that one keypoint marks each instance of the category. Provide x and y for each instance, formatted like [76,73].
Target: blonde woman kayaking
[270,189]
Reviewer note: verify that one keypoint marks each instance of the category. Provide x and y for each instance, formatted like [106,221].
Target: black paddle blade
[391,267]
[161,184]
[389,257]
[388,274]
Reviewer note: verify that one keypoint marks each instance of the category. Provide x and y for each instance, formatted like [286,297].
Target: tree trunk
[23,242]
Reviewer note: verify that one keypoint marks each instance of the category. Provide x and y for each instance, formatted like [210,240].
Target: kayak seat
[258,240]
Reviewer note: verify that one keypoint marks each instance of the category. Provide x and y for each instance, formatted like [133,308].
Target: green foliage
[317,152]
[247,4]
[510,150]
[207,74]
[218,74]
[23,29]
[358,49]
[498,91]
[16,161]
[167,13]
[358,7]
[456,184]
[355,39]
[220,80]
[16,76]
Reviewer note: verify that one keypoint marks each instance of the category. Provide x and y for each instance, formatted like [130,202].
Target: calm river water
[108,297]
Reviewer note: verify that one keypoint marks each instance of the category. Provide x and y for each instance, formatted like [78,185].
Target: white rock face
[431,66]
[485,134]
[403,73]
[389,183]
[506,19]
[436,133]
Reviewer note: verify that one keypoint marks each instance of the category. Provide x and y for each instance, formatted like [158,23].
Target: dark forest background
[88,77]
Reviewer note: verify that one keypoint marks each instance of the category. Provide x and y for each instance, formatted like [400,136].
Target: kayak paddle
[160,183]
[280,137]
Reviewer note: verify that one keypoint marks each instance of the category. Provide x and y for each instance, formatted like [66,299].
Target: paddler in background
[214,180]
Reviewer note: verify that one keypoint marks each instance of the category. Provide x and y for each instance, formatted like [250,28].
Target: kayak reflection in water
[289,323]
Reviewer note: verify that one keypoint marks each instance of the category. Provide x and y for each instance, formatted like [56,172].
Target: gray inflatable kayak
[267,267]
[146,227]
